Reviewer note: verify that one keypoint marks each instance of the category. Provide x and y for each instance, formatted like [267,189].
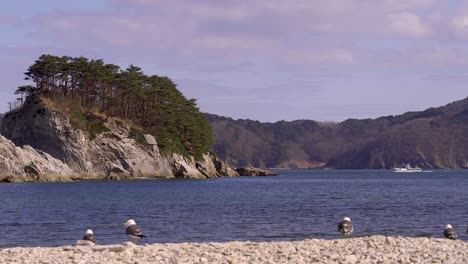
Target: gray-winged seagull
[449,232]
[132,230]
[345,226]
[89,236]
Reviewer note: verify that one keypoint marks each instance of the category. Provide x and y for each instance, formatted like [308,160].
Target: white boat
[407,168]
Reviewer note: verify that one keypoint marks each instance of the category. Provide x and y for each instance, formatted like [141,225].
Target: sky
[266,60]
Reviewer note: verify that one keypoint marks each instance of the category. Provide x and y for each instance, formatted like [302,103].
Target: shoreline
[371,249]
[11,179]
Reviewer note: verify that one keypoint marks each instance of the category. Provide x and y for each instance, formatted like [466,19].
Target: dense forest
[434,138]
[151,104]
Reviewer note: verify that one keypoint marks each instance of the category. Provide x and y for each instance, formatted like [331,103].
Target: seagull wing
[345,227]
[133,230]
[450,233]
[90,237]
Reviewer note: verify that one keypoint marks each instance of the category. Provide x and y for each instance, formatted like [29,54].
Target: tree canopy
[153,103]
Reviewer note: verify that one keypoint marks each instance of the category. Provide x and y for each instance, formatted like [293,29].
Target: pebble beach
[373,249]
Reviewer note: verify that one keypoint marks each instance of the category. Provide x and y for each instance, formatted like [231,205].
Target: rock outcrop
[251,171]
[25,164]
[120,152]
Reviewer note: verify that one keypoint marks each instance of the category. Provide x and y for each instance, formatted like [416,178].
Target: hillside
[434,138]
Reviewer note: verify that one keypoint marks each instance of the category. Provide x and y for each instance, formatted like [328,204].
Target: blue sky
[263,60]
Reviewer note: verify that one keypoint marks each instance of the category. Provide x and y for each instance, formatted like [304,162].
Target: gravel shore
[374,249]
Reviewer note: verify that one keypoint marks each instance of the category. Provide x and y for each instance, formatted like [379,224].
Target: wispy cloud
[7,19]
[295,33]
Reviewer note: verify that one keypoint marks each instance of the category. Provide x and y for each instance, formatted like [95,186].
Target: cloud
[8,19]
[408,24]
[242,28]
[341,35]
[318,34]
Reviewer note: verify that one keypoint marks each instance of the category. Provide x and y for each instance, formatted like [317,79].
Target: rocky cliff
[117,152]
[25,164]
[434,138]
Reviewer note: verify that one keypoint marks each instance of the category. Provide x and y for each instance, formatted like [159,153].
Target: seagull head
[448,226]
[89,232]
[347,219]
[130,222]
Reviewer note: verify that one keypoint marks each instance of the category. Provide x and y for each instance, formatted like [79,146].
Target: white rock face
[118,153]
[27,164]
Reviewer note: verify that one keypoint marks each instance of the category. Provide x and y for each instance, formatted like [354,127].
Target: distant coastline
[431,139]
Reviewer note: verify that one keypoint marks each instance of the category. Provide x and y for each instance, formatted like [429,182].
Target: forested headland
[90,91]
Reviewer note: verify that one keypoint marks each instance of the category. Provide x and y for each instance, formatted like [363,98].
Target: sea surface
[295,205]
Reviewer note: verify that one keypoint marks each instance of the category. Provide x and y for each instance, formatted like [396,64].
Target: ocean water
[297,204]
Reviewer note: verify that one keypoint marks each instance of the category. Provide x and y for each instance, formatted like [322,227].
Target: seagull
[345,226]
[89,236]
[449,232]
[132,230]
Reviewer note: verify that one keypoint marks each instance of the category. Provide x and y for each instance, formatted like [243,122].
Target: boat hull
[407,171]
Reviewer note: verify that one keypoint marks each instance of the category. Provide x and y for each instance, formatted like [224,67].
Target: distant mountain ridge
[433,138]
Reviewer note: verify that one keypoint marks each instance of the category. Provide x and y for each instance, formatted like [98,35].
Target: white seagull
[345,226]
[132,230]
